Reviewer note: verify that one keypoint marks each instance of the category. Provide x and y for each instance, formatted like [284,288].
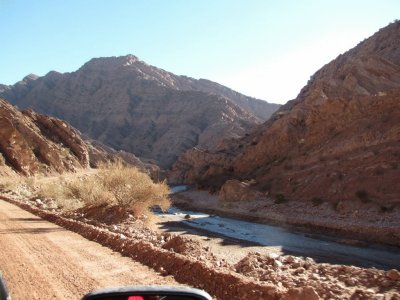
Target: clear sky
[265,49]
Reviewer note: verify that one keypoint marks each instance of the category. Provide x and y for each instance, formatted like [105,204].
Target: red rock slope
[32,143]
[338,140]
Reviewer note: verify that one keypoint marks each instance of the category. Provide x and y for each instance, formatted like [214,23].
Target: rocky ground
[265,276]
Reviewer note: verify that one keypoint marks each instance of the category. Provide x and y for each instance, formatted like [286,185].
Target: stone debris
[326,280]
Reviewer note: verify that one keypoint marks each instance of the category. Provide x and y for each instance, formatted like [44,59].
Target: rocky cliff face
[138,108]
[338,140]
[31,143]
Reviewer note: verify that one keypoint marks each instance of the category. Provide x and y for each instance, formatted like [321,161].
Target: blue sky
[266,49]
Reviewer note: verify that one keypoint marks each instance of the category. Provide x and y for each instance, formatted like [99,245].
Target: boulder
[349,206]
[393,275]
[306,292]
[234,190]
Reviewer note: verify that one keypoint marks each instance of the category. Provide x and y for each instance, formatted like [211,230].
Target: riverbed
[322,248]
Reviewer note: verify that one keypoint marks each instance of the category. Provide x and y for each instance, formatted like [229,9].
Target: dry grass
[114,184]
[56,189]
[19,185]
[9,182]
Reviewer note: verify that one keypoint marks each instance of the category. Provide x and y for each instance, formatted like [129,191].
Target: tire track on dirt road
[41,260]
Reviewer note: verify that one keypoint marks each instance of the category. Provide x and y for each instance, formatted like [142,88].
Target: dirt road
[41,260]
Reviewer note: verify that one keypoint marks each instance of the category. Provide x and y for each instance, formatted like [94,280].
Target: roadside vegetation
[111,185]
[9,182]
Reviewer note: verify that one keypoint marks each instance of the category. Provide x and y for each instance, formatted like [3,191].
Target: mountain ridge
[138,108]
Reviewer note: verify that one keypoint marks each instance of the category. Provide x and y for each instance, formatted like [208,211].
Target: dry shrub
[58,191]
[54,189]
[114,184]
[89,190]
[133,189]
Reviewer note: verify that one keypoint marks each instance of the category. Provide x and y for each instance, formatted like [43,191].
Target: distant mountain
[338,140]
[135,107]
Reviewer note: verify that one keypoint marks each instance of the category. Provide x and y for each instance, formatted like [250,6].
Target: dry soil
[41,260]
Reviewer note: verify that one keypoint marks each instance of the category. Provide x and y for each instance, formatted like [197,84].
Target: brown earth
[337,141]
[41,260]
[138,108]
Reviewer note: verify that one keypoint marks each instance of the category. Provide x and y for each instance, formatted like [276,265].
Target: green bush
[279,199]
[316,201]
[363,196]
[387,209]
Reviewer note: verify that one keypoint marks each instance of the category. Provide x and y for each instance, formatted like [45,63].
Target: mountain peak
[367,69]
[136,107]
[111,62]
[30,77]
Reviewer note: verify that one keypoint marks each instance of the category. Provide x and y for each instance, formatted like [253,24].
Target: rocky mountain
[132,106]
[32,143]
[338,140]
[260,108]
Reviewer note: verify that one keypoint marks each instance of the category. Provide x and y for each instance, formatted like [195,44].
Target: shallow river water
[320,247]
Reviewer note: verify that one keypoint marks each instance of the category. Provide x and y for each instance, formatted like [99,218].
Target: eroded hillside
[338,140]
[32,143]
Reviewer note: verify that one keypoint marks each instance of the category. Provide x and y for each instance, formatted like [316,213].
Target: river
[322,248]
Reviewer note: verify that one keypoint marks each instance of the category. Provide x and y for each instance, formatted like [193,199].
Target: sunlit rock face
[32,143]
[338,140]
